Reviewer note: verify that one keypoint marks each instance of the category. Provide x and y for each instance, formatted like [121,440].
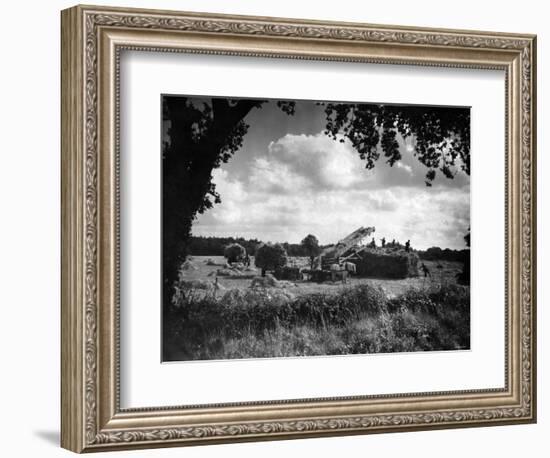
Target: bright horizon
[378,243]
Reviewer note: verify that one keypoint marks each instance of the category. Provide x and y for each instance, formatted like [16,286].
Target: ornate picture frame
[92,40]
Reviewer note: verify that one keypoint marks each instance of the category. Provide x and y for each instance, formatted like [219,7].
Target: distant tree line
[438,254]
[215,246]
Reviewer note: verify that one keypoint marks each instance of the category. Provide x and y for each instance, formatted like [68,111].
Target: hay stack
[195,284]
[225,273]
[188,265]
[288,273]
[382,263]
[269,281]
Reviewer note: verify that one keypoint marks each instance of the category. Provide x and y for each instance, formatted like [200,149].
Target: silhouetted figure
[216,286]
[408,245]
[425,270]
[372,243]
[383,242]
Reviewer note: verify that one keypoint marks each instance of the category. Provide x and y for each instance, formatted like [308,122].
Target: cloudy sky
[289,180]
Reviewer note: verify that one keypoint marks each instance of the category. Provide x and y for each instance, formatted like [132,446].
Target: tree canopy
[270,257]
[310,243]
[441,137]
[234,253]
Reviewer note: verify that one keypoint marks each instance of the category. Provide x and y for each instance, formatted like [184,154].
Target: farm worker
[408,245]
[344,274]
[318,263]
[425,270]
[216,286]
[334,268]
[350,267]
[383,242]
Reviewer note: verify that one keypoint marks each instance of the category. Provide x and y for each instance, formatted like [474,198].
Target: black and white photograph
[299,228]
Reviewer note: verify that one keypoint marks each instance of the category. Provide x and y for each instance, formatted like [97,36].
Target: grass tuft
[261,323]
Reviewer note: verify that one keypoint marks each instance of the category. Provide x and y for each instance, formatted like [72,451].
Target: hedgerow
[264,322]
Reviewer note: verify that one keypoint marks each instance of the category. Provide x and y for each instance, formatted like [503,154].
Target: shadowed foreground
[265,322]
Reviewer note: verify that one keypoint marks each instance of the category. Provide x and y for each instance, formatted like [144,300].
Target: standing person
[216,286]
[383,242]
[425,270]
[408,245]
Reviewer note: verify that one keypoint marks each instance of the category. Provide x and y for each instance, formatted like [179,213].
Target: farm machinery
[337,262]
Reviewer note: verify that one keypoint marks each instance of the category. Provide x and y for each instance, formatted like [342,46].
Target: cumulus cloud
[273,176]
[301,162]
[318,162]
[312,184]
[328,164]
[405,167]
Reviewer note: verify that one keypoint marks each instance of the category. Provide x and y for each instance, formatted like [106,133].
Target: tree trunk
[182,199]
[187,166]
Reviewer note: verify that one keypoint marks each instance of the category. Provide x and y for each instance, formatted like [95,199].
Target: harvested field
[228,316]
[442,272]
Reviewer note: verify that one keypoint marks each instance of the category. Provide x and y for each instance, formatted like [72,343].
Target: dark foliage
[234,252]
[310,244]
[387,263]
[287,273]
[438,254]
[270,257]
[441,135]
[464,277]
[432,319]
[214,246]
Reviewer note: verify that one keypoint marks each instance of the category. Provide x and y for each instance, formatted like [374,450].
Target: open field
[366,315]
[442,272]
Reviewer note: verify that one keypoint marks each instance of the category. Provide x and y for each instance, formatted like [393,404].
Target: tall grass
[259,323]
